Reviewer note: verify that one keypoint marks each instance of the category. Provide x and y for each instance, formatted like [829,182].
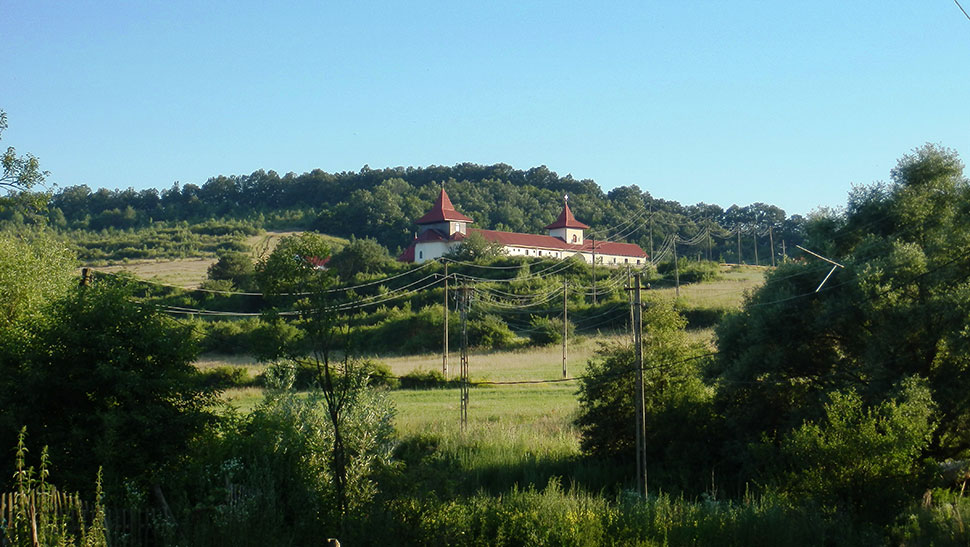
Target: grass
[727,292]
[263,244]
[188,273]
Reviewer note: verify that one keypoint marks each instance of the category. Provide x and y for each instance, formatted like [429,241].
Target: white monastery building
[443,228]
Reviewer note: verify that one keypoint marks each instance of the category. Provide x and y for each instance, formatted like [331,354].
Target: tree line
[383,204]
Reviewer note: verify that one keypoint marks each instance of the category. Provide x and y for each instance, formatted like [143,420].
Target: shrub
[430,379]
[544,331]
[691,271]
[490,332]
[224,377]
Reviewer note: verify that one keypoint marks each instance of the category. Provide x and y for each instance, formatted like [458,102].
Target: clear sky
[788,103]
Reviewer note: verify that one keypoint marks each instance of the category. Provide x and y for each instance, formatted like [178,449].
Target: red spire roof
[442,211]
[566,220]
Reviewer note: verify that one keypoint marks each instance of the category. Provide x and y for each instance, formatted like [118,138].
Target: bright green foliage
[363,255]
[34,270]
[43,515]
[564,517]
[293,266]
[677,402]
[476,248]
[20,173]
[863,459]
[899,308]
[236,267]
[544,331]
[266,478]
[490,332]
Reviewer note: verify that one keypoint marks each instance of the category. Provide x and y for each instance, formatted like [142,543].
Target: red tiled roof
[549,242]
[566,220]
[442,211]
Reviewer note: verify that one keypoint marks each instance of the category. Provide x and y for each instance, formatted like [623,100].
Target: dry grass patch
[188,273]
[263,244]
[725,293]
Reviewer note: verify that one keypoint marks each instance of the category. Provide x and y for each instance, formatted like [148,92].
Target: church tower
[444,218]
[566,227]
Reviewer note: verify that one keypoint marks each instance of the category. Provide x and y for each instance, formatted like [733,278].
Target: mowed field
[189,273]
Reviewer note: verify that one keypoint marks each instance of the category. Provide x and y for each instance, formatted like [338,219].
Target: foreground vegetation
[813,417]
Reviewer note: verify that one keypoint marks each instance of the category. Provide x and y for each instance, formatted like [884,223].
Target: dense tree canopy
[898,309]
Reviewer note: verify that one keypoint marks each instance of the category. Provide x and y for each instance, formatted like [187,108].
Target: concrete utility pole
[444,356]
[641,437]
[565,321]
[464,358]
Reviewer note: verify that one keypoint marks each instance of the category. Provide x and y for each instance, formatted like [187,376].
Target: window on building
[575,239]
[420,254]
[626,260]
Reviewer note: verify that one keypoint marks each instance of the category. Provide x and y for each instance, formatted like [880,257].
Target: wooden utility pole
[464,358]
[739,246]
[594,269]
[444,353]
[784,253]
[639,405]
[676,270]
[629,283]
[771,243]
[565,321]
[709,238]
[754,237]
[651,231]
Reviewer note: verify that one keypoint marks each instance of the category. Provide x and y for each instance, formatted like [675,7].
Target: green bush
[544,331]
[430,379]
[490,332]
[863,460]
[691,271]
[224,377]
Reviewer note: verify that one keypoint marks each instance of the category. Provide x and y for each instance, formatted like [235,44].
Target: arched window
[420,254]
[575,239]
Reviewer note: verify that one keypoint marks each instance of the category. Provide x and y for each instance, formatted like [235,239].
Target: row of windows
[554,254]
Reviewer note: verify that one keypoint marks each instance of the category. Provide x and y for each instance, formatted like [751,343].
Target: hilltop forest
[383,203]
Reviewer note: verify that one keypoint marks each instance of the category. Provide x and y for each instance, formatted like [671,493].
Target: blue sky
[788,103]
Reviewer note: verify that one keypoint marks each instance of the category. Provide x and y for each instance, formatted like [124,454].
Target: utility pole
[629,283]
[444,356]
[754,237]
[641,437]
[676,270]
[784,254]
[771,242]
[565,321]
[739,246]
[651,231]
[594,269]
[464,358]
[709,239]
